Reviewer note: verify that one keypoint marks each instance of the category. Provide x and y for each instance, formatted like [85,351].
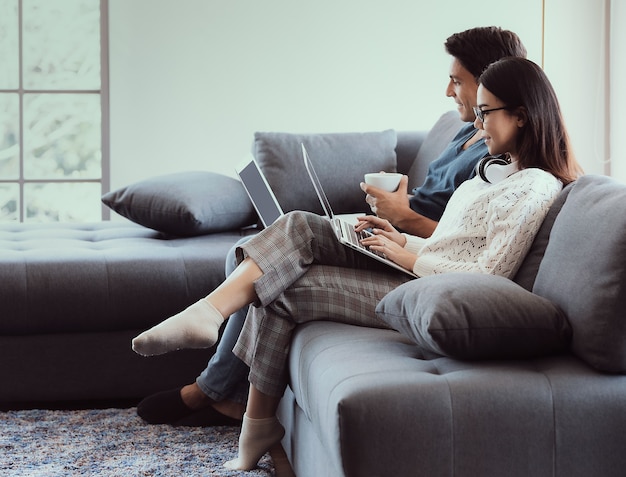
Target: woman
[296,271]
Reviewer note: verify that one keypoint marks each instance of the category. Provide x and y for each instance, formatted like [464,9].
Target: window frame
[103,92]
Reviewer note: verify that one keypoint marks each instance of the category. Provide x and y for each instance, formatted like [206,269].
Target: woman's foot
[257,437]
[195,327]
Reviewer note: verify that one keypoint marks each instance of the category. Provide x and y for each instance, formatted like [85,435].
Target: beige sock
[195,327]
[256,438]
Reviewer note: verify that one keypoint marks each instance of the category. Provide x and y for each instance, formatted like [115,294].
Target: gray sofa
[73,295]
[480,377]
[487,376]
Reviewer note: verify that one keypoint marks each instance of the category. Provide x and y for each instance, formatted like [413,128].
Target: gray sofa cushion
[475,317]
[340,160]
[376,410]
[185,203]
[103,276]
[583,270]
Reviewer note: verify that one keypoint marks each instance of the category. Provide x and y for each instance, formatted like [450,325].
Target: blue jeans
[226,376]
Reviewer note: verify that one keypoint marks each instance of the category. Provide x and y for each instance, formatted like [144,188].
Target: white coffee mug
[384,180]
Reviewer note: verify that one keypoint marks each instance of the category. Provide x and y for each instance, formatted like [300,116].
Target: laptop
[344,230]
[261,195]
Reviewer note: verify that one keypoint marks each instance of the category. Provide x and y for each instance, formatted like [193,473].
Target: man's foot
[194,398]
[168,407]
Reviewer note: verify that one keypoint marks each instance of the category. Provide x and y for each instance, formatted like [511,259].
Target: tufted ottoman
[73,295]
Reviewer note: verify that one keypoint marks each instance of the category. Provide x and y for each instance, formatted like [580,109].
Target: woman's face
[499,128]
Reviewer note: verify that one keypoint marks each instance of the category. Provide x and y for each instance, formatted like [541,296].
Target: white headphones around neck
[493,169]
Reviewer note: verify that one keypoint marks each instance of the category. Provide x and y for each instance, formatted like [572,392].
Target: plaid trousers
[307,276]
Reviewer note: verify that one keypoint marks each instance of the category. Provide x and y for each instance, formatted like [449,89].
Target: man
[472,51]
[218,397]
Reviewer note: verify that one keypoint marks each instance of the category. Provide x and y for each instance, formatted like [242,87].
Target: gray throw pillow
[472,316]
[185,203]
[340,160]
[584,270]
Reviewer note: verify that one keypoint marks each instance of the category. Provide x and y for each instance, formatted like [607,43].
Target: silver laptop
[344,230]
[260,192]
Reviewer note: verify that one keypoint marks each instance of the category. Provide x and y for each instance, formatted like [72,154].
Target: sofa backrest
[407,146]
[440,135]
[341,160]
[527,272]
[584,270]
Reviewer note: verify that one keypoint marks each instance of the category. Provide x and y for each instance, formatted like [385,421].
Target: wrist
[409,221]
[416,224]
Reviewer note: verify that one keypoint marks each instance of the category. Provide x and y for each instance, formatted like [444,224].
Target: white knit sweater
[487,228]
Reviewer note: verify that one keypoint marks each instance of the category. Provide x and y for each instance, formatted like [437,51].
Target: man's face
[462,88]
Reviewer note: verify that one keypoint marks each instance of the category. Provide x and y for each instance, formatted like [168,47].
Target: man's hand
[394,207]
[388,205]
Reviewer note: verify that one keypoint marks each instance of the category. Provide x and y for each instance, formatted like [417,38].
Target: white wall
[574,61]
[585,57]
[618,94]
[191,80]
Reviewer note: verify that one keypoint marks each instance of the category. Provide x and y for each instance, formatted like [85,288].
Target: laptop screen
[260,193]
[317,185]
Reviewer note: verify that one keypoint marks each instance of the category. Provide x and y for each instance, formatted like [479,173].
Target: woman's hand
[381,227]
[386,240]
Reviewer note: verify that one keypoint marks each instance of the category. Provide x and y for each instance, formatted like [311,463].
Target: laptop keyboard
[355,237]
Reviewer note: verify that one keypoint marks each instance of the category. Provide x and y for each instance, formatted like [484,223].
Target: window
[53,110]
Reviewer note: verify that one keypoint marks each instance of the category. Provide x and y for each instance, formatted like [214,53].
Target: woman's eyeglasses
[481,113]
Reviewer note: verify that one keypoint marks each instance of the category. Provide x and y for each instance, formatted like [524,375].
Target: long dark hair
[543,142]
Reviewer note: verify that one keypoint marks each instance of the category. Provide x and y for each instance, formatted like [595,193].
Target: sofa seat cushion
[380,408]
[102,276]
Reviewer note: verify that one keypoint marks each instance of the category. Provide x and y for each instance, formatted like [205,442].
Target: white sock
[256,438]
[195,327]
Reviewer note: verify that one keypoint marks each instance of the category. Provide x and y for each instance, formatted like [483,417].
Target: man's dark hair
[477,48]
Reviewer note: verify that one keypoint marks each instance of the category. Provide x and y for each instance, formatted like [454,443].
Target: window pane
[62,136]
[9,137]
[63,202]
[61,41]
[9,200]
[9,53]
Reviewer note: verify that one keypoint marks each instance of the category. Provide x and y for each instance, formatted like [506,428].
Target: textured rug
[113,442]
